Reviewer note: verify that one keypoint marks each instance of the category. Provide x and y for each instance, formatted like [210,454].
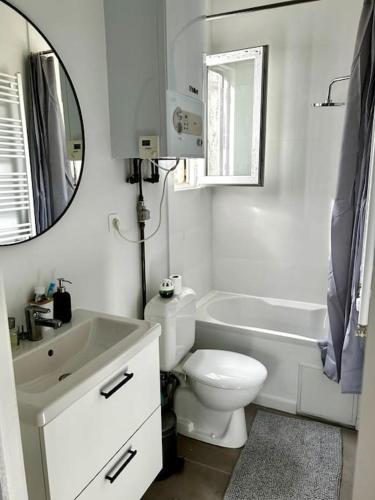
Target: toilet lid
[224,369]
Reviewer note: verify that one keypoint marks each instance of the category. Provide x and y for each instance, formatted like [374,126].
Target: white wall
[273,241]
[12,471]
[104,269]
[190,237]
[13,41]
[17,39]
[190,231]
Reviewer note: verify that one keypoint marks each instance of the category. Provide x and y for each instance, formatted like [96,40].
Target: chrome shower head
[329,103]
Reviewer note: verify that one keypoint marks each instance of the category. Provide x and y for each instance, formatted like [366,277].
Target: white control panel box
[149,147]
[75,150]
[155,76]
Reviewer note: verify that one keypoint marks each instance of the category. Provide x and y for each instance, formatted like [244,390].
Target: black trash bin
[171,462]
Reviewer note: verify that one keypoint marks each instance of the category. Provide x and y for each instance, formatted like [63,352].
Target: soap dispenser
[62,304]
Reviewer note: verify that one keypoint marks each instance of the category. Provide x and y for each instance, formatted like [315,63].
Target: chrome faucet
[35,321]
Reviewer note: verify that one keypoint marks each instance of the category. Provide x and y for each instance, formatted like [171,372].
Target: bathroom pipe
[368,248]
[221,15]
[141,223]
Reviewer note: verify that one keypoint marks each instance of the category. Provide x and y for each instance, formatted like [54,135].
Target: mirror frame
[18,11]
[260,56]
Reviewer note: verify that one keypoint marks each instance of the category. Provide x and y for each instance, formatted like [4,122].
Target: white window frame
[193,174]
[260,56]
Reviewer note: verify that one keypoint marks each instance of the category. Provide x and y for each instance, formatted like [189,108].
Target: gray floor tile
[208,468]
[221,459]
[349,452]
[196,482]
[250,412]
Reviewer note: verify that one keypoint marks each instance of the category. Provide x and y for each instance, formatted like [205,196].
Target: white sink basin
[53,373]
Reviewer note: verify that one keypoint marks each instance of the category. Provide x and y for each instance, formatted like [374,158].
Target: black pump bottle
[62,304]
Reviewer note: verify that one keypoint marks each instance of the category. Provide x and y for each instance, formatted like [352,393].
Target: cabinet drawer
[89,433]
[128,475]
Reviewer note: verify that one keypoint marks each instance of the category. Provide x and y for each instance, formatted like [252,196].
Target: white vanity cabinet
[128,474]
[107,444]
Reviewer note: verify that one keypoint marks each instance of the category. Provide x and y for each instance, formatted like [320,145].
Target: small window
[235,116]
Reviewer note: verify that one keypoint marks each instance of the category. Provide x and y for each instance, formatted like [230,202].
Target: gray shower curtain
[53,185]
[343,352]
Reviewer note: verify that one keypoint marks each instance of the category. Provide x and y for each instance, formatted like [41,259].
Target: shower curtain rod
[45,52]
[221,15]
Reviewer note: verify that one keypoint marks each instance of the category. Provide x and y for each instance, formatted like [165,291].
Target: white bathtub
[290,319]
[284,336]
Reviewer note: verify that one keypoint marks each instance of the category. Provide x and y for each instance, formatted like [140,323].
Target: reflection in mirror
[235,116]
[41,132]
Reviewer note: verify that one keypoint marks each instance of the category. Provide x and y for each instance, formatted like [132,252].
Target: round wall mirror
[41,131]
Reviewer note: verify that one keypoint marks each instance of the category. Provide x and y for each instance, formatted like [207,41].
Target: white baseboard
[276,403]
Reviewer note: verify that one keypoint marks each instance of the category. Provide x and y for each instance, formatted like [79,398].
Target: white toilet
[215,386]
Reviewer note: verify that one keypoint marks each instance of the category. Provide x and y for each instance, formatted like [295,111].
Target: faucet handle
[35,311]
[34,320]
[33,308]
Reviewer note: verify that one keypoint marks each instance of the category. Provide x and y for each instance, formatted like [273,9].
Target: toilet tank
[177,319]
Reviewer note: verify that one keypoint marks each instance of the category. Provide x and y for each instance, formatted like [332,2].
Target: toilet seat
[225,369]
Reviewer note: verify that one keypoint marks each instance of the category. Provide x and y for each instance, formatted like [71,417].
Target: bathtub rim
[270,335]
[205,319]
[209,295]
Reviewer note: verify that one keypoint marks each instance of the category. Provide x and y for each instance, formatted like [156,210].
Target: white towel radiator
[17,219]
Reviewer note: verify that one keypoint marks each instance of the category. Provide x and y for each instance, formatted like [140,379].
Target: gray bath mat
[288,459]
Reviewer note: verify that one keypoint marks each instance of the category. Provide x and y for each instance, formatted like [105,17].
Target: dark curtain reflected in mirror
[41,132]
[53,182]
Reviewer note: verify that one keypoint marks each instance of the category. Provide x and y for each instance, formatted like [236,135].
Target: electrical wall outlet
[111,218]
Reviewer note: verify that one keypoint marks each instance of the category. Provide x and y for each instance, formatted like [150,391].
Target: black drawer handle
[132,454]
[128,376]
